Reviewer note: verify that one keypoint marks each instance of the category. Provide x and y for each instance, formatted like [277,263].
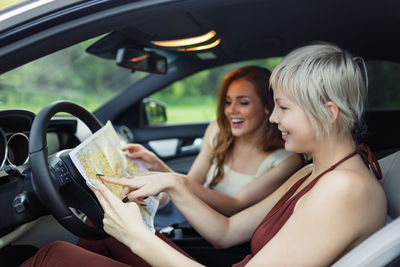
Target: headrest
[390,167]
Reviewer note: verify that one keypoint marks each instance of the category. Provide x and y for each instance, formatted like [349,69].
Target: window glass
[384,84]
[194,98]
[69,74]
[4,4]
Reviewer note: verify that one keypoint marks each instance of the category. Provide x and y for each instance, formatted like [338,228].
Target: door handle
[194,147]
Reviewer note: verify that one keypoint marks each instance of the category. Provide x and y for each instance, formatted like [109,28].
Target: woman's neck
[330,151]
[252,140]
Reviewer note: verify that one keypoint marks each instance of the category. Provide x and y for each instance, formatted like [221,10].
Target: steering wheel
[57,182]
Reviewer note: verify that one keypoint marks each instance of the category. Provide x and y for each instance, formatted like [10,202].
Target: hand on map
[101,154]
[121,220]
[138,187]
[148,158]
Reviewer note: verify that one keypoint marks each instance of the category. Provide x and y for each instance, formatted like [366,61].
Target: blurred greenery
[69,74]
[8,3]
[204,110]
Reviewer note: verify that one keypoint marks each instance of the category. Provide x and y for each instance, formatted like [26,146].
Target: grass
[189,109]
[192,113]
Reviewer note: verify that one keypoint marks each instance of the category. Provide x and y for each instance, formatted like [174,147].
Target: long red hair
[224,140]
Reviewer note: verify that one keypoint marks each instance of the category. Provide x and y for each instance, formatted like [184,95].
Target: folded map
[101,153]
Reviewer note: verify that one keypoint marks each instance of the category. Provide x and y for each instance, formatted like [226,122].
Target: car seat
[383,247]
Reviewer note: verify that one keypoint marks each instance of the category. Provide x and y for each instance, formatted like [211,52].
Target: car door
[177,145]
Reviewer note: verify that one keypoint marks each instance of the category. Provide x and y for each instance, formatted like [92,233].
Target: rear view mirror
[135,59]
[154,111]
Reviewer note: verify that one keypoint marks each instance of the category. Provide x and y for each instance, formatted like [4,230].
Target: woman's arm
[199,168]
[254,192]
[193,208]
[148,158]
[202,163]
[197,172]
[219,230]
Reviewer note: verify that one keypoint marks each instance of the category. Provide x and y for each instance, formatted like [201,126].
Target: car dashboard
[17,194]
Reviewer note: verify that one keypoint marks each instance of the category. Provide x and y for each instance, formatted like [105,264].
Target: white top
[233,181]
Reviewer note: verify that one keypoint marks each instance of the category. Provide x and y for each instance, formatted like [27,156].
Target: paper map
[102,153]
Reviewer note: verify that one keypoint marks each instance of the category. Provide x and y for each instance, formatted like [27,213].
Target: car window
[194,98]
[5,4]
[70,74]
[384,85]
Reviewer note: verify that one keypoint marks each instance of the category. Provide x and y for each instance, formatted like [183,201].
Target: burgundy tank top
[283,209]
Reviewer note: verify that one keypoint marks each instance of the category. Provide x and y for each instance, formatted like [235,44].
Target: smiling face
[244,110]
[294,124]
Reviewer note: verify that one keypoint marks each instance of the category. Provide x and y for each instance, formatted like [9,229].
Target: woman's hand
[124,222]
[136,188]
[148,158]
[121,220]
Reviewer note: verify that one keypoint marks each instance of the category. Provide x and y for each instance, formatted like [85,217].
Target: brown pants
[106,252]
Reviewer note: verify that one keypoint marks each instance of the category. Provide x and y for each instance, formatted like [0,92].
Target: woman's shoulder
[351,178]
[213,128]
[211,132]
[213,124]
[348,198]
[276,157]
[352,188]
[281,153]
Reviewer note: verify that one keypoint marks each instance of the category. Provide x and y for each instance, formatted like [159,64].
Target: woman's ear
[333,110]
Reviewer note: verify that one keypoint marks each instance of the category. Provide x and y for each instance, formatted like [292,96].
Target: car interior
[40,205]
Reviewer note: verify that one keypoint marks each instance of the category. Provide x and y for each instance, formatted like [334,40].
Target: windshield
[70,74]
[5,4]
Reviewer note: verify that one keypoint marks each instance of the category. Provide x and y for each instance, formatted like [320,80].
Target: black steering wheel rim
[38,155]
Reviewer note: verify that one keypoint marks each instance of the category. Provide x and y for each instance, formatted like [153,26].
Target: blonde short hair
[316,74]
